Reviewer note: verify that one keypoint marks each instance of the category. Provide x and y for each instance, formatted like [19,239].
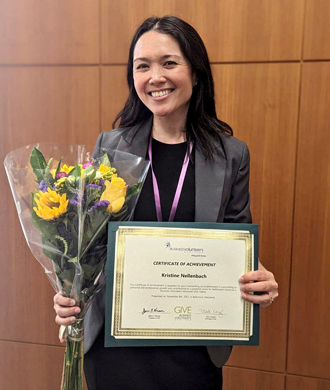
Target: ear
[194,79]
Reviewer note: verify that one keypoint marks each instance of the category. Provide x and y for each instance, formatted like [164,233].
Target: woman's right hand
[66,310]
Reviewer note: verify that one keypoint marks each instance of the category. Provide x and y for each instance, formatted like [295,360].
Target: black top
[167,163]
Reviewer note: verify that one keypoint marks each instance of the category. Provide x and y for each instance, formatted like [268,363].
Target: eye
[169,63]
[142,66]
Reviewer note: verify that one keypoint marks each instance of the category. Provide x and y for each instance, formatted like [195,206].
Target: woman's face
[162,75]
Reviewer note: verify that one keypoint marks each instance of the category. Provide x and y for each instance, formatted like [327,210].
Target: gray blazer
[222,195]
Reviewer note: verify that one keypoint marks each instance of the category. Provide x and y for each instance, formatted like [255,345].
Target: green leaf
[50,162]
[50,250]
[76,172]
[74,260]
[92,196]
[58,167]
[38,163]
[67,274]
[105,159]
[48,176]
[66,277]
[133,191]
[47,228]
[88,170]
[70,188]
[120,215]
[89,174]
[33,203]
[89,271]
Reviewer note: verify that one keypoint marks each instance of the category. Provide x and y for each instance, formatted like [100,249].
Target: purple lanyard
[178,188]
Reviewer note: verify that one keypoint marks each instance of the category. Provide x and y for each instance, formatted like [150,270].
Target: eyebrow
[163,57]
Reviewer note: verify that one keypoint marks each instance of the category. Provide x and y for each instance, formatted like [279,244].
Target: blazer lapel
[209,179]
[140,134]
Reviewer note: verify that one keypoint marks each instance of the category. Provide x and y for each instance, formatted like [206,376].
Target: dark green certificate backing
[111,341]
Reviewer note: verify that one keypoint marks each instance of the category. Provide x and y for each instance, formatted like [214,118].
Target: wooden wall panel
[29,366]
[317,30]
[232,30]
[114,93]
[59,104]
[54,104]
[260,102]
[309,342]
[49,32]
[238,378]
[304,383]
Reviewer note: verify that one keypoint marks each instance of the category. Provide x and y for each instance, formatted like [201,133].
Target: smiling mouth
[160,93]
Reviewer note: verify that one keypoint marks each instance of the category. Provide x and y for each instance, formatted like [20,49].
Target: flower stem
[72,377]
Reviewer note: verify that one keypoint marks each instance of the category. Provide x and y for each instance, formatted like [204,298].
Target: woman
[170,114]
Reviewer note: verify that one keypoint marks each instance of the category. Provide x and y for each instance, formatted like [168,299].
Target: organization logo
[169,246]
[182,313]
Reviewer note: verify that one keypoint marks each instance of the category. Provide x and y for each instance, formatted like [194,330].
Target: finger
[59,299]
[66,311]
[261,300]
[65,320]
[256,276]
[272,298]
[265,304]
[265,286]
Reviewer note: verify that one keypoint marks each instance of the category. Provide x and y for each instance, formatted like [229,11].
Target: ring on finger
[271,299]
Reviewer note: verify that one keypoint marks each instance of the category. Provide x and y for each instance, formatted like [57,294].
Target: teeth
[160,93]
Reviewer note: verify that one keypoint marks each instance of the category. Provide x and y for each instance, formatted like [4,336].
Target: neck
[167,131]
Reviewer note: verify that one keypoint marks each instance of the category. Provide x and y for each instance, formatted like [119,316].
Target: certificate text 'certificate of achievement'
[177,284]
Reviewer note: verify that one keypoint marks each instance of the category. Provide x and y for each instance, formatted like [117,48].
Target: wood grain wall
[62,78]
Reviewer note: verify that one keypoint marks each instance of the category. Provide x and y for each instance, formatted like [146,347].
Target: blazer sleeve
[97,150]
[238,207]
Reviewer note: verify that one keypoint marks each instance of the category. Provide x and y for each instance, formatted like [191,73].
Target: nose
[157,76]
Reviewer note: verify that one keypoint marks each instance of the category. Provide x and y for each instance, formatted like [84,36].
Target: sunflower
[50,204]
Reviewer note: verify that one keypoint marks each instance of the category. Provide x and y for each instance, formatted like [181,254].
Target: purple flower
[87,164]
[61,174]
[100,203]
[75,200]
[93,186]
[43,186]
[101,182]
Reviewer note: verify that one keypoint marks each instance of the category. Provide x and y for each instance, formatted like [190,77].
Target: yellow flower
[64,168]
[115,193]
[67,169]
[103,168]
[106,171]
[53,171]
[60,181]
[50,204]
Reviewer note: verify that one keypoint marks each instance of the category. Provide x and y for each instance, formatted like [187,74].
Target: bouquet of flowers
[64,203]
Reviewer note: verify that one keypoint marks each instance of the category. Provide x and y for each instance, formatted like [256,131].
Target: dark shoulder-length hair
[203,126]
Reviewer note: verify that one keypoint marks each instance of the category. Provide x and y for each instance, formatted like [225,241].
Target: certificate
[177,284]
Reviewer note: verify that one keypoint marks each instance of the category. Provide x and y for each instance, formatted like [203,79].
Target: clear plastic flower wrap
[64,199]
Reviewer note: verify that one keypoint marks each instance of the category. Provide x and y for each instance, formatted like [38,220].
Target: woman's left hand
[261,281]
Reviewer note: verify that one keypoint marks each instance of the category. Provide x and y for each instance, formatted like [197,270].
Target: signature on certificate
[152,310]
[219,313]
